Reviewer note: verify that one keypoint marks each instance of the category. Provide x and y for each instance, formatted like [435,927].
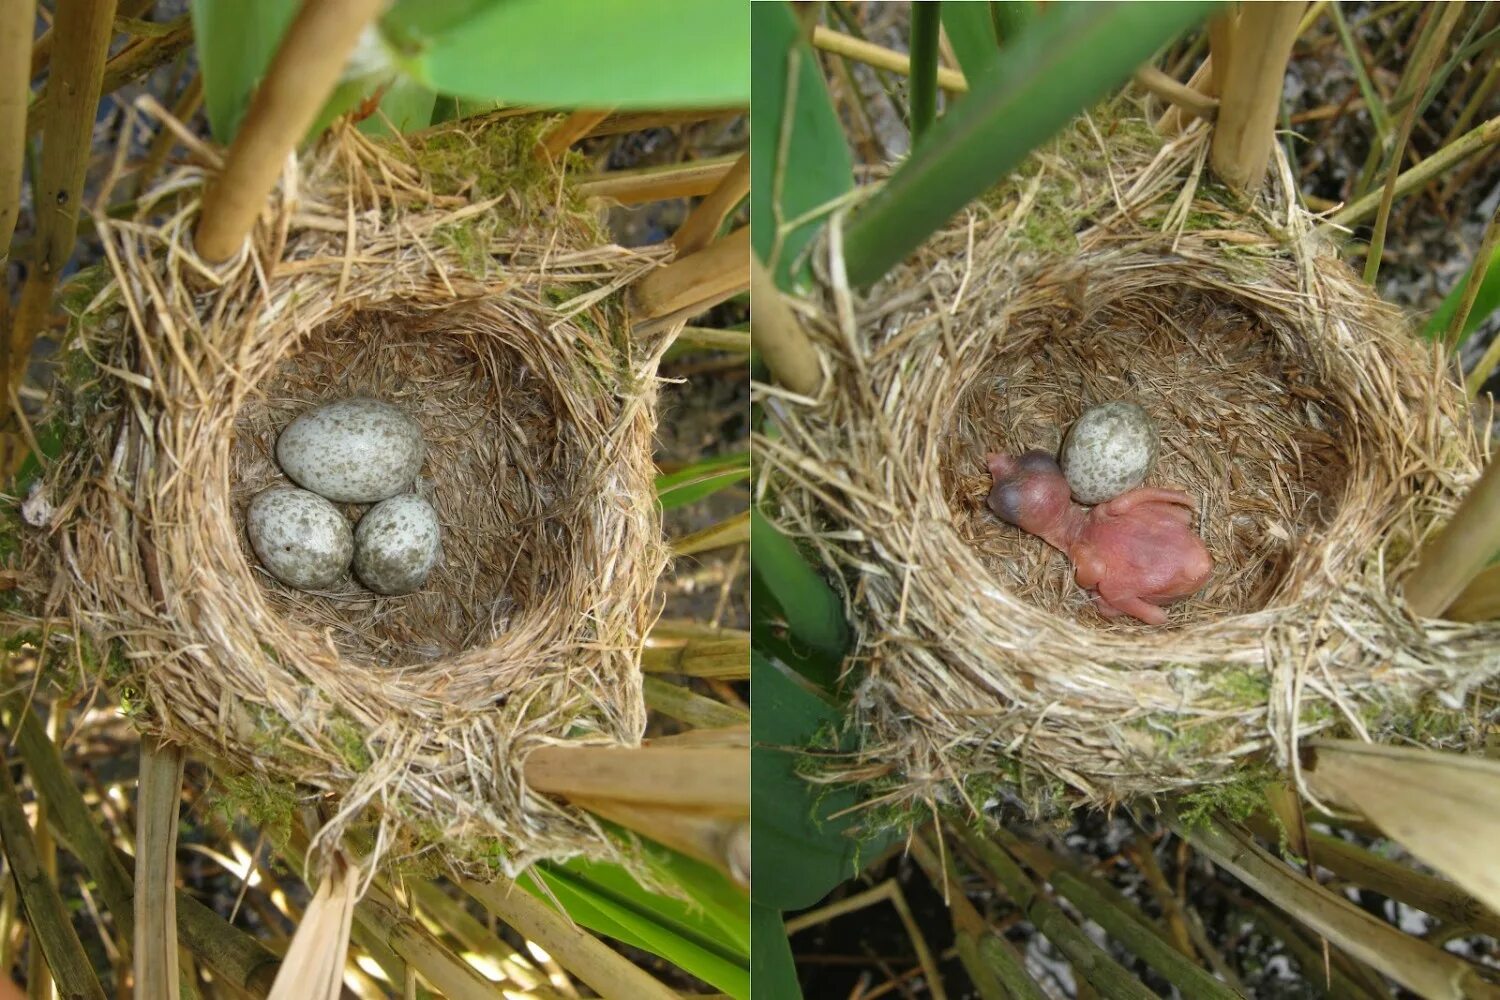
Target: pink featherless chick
[1136,552]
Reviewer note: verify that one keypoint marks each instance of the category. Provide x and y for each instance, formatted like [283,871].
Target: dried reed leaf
[1443,807]
[314,965]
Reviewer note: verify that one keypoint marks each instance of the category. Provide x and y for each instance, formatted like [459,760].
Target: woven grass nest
[489,313]
[1320,438]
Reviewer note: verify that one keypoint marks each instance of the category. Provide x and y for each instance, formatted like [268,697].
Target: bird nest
[487,312]
[1319,438]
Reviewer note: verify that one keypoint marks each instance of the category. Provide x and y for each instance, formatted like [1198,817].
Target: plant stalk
[692,284]
[1448,560]
[1423,72]
[703,225]
[674,180]
[17,21]
[1418,176]
[1260,45]
[880,57]
[568,131]
[83,29]
[299,80]
[778,337]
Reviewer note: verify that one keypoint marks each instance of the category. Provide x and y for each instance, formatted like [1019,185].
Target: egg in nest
[1109,450]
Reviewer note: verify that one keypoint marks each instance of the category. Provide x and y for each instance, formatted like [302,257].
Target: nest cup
[491,317]
[1321,440]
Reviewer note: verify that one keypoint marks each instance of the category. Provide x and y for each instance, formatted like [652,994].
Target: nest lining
[1246,430]
[1321,439]
[510,433]
[539,412]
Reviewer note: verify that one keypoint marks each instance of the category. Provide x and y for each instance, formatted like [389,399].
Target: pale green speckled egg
[396,545]
[1109,450]
[301,538]
[353,450]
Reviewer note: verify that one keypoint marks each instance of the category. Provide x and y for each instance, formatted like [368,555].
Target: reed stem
[17,21]
[703,225]
[1260,45]
[302,74]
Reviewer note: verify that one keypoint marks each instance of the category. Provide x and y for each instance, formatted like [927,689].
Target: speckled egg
[396,545]
[353,450]
[1110,449]
[300,537]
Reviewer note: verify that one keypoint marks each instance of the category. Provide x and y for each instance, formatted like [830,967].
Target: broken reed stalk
[84,30]
[1180,96]
[17,22]
[779,339]
[158,795]
[1260,44]
[568,131]
[1423,72]
[1089,960]
[1414,178]
[734,530]
[692,284]
[674,180]
[49,920]
[880,57]
[1408,960]
[1448,560]
[302,74]
[709,780]
[705,221]
[612,976]
[131,63]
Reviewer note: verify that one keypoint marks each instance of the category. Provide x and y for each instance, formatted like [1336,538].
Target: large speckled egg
[1109,450]
[300,537]
[396,545]
[353,450]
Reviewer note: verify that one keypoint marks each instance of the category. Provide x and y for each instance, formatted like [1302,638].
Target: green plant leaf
[1485,304]
[707,935]
[406,104]
[577,53]
[774,973]
[800,851]
[1011,18]
[235,41]
[813,611]
[702,479]
[1059,65]
[971,31]
[799,158]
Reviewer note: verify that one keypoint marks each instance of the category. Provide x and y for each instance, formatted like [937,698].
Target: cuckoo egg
[396,545]
[1110,449]
[300,537]
[353,450]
